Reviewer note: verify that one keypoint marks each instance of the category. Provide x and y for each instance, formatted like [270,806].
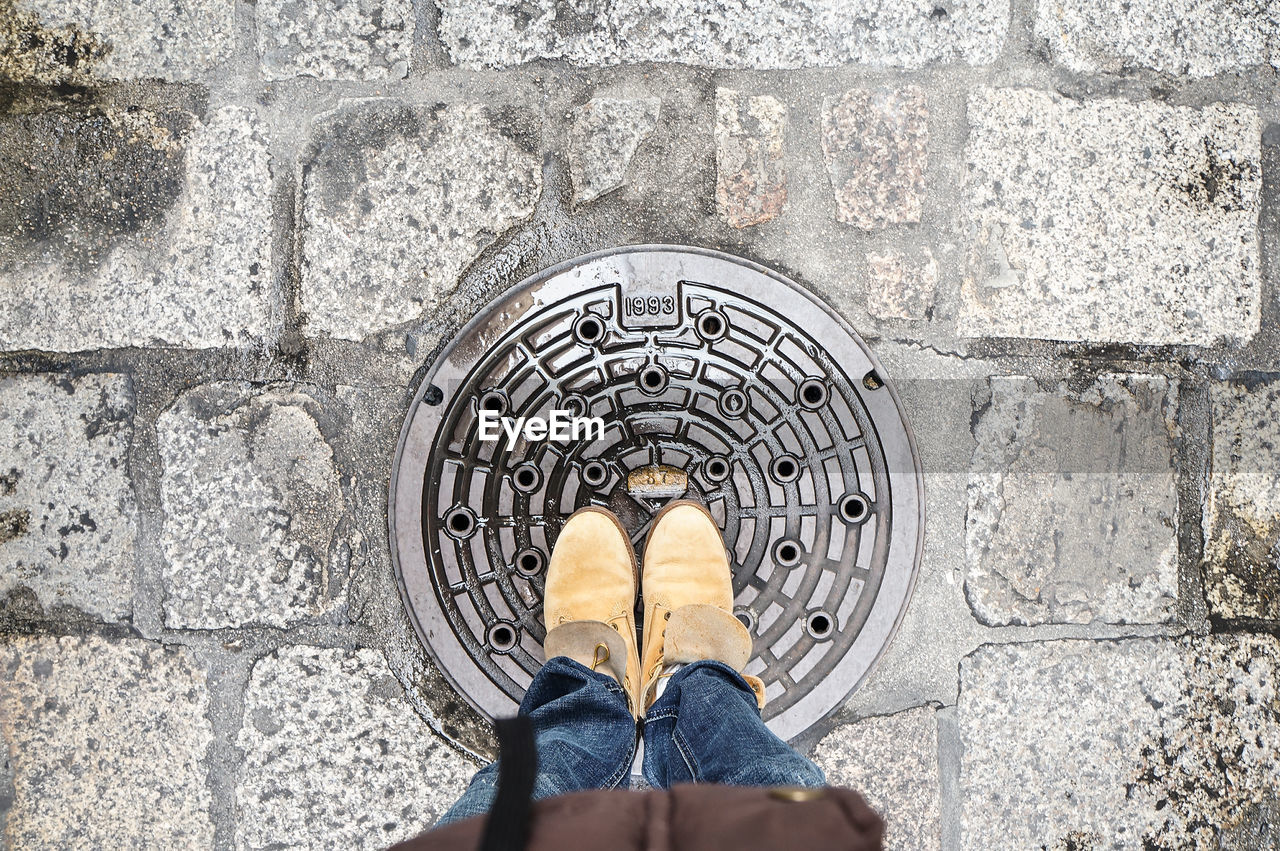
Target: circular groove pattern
[736,348]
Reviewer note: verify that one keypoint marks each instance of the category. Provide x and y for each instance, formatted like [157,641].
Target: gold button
[615,627]
[796,793]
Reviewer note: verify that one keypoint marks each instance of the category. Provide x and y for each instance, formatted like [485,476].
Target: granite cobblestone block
[1141,743]
[1182,37]
[603,138]
[82,41]
[751,177]
[1111,220]
[254,529]
[335,756]
[396,202]
[342,40]
[771,34]
[892,761]
[106,742]
[1242,517]
[134,227]
[876,145]
[1072,503]
[68,515]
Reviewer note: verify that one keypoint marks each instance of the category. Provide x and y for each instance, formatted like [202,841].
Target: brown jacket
[685,818]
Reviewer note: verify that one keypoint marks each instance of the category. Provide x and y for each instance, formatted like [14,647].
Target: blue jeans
[705,728]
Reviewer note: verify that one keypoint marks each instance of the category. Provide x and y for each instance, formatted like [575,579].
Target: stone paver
[1242,519]
[1142,743]
[252,509]
[335,756]
[133,228]
[1072,503]
[762,35]
[751,179]
[58,41]
[900,286]
[106,741]
[396,202]
[1199,38]
[344,40]
[893,761]
[876,147]
[603,138]
[1111,220]
[68,518]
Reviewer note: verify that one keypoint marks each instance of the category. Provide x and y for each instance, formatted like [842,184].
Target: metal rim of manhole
[716,379]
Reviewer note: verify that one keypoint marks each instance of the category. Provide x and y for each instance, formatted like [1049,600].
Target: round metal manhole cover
[714,379]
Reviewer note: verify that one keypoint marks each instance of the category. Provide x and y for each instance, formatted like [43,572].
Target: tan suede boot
[588,603]
[688,598]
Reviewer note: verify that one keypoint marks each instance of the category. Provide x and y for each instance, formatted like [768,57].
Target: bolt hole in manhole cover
[713,379]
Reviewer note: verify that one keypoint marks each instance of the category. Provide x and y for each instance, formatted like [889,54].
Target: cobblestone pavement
[232,234]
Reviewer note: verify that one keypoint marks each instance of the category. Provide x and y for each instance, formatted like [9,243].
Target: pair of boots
[590,595]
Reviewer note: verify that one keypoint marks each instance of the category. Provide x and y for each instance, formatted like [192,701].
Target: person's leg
[582,702]
[705,727]
[584,732]
[702,720]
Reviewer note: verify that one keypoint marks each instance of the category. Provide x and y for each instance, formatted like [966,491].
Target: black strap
[507,827]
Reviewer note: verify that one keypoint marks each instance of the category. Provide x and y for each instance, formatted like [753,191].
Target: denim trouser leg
[706,728]
[585,735]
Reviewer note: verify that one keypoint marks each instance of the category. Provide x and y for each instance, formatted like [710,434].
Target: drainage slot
[820,625]
[494,400]
[711,325]
[529,562]
[785,468]
[526,478]
[716,469]
[872,380]
[460,522]
[594,474]
[746,617]
[854,508]
[787,553]
[588,330]
[502,636]
[812,394]
[652,379]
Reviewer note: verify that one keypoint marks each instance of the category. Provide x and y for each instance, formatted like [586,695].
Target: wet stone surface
[125,769]
[1179,37]
[1072,503]
[876,149]
[751,179]
[60,41]
[352,40]
[1242,523]
[1111,220]
[900,286]
[335,756]
[253,530]
[892,761]
[1138,743]
[602,140]
[132,230]
[68,517]
[768,34]
[396,202]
